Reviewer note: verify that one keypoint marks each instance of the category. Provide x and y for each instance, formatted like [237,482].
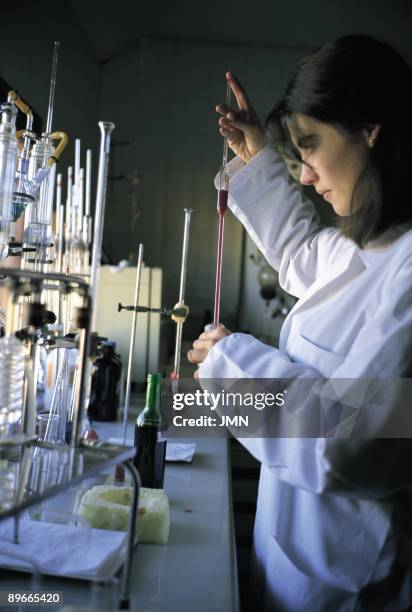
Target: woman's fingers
[226,133]
[200,349]
[236,123]
[241,127]
[239,92]
[197,355]
[202,343]
[215,334]
[222,109]
[205,343]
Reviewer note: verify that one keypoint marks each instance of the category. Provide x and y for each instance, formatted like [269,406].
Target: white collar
[374,249]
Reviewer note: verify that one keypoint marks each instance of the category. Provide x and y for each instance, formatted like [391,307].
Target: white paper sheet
[62,550]
[174,450]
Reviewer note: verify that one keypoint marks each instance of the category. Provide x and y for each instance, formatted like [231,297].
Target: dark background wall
[26,47]
[157,71]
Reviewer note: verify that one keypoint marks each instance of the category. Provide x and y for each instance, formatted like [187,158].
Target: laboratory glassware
[222,199]
[87,316]
[8,155]
[181,304]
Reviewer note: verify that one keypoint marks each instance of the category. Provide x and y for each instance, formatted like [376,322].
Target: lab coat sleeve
[281,221]
[351,455]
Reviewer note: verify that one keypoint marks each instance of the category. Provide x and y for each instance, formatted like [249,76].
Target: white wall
[162,98]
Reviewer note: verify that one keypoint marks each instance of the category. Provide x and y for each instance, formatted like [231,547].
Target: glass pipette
[222,198]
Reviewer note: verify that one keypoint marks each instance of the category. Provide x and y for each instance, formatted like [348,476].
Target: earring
[371,142]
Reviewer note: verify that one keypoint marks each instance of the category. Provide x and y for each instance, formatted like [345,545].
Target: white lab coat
[324,528]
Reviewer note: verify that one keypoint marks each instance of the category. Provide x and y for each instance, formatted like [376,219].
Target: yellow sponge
[107,507]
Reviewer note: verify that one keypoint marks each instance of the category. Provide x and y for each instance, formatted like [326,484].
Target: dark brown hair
[353,83]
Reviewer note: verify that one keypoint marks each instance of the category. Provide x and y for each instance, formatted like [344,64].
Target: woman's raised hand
[244,132]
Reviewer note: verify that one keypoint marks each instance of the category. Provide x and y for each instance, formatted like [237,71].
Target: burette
[222,199]
[181,306]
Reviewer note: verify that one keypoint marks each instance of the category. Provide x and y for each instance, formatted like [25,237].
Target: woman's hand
[244,132]
[204,343]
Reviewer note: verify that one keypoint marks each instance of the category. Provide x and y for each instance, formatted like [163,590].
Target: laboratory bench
[196,571]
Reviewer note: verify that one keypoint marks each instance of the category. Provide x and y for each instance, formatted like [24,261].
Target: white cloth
[323,528]
[62,550]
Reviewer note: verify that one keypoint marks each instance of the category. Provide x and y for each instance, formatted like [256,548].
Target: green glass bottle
[146,432]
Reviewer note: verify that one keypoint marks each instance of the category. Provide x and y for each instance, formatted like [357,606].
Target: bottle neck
[150,415]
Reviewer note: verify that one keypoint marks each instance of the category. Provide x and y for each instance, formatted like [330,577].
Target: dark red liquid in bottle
[145,439]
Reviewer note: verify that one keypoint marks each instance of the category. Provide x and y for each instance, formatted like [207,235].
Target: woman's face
[332,161]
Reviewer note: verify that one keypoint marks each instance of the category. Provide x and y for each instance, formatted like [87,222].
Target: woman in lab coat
[332,514]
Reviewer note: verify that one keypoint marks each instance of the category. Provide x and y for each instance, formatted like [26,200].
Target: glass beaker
[49,428]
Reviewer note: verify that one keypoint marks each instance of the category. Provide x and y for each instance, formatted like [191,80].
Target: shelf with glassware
[33,469]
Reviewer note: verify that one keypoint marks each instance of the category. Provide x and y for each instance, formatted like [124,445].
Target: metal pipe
[132,341]
[43,276]
[124,603]
[52,88]
[16,529]
[175,313]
